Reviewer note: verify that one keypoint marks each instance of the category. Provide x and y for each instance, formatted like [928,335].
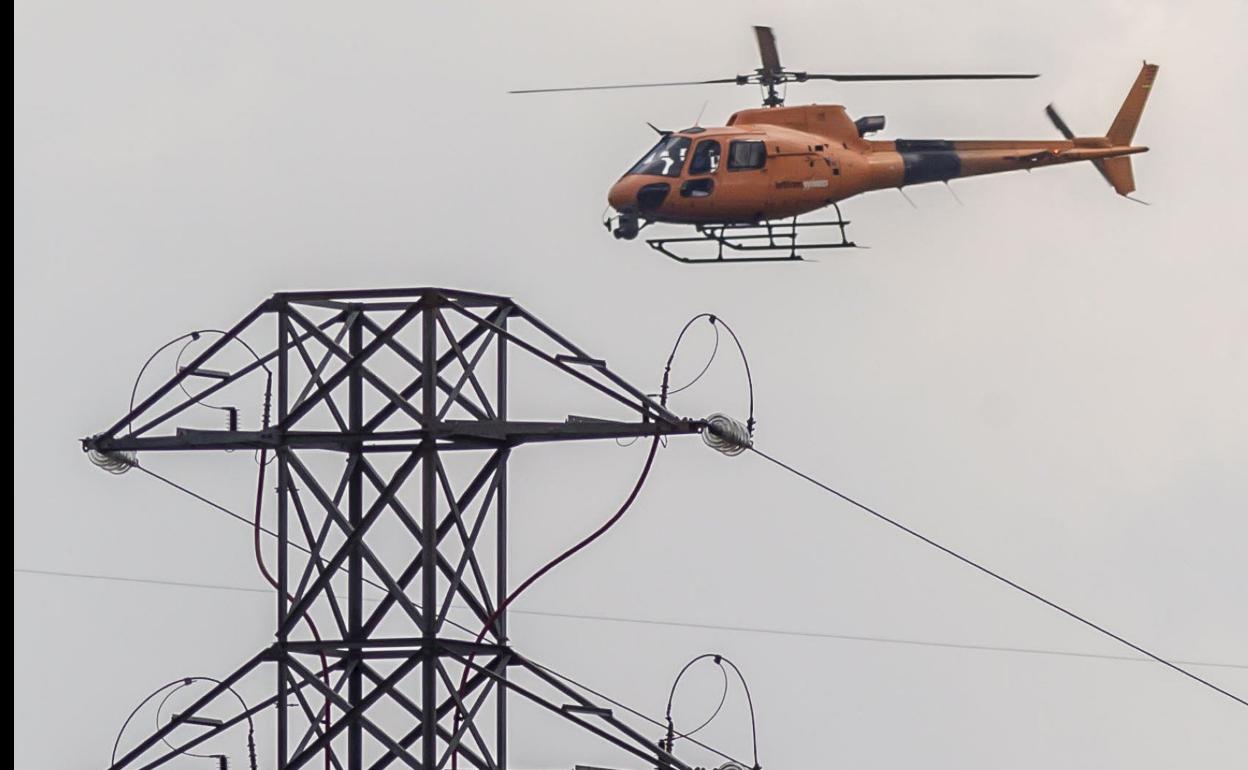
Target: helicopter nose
[623,194]
[637,194]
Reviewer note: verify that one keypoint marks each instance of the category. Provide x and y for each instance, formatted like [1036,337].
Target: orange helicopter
[743,186]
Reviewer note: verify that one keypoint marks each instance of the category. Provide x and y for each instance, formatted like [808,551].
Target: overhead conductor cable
[997,576]
[730,437]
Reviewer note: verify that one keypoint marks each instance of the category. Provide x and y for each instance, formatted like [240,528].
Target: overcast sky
[1047,377]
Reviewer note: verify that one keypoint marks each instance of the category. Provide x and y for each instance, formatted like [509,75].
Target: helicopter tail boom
[918,161]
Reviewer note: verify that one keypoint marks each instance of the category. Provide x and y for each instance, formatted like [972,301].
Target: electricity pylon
[392,430]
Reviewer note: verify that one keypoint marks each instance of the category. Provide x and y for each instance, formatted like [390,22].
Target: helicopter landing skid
[763,242]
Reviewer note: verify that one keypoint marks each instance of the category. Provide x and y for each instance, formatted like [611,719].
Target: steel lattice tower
[392,430]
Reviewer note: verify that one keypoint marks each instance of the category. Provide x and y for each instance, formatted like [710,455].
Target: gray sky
[1047,377]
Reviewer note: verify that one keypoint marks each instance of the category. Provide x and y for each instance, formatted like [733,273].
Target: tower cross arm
[510,432]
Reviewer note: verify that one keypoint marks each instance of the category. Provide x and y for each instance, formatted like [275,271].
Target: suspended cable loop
[729,759]
[251,726]
[719,660]
[722,433]
[176,685]
[723,698]
[672,736]
[177,369]
[705,367]
[190,338]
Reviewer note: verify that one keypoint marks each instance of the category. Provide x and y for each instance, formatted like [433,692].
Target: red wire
[531,579]
[316,634]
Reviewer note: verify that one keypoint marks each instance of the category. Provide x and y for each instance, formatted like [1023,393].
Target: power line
[216,505]
[245,589]
[144,581]
[253,525]
[1175,665]
[682,624]
[997,576]
[861,638]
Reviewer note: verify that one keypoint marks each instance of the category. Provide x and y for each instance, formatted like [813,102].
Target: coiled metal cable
[115,463]
[726,435]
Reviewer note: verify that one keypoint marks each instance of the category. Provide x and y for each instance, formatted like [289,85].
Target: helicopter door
[702,167]
[745,185]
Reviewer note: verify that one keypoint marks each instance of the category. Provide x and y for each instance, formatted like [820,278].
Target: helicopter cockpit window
[665,159]
[705,158]
[746,154]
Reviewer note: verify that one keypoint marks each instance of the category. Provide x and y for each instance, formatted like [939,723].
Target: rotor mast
[771,74]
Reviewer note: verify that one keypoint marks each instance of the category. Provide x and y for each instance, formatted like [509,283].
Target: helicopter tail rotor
[1117,171]
[1058,123]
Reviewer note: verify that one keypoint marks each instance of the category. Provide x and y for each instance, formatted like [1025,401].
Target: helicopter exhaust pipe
[869,124]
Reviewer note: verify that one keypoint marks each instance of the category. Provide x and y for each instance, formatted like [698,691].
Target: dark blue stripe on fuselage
[923,167]
[928,160]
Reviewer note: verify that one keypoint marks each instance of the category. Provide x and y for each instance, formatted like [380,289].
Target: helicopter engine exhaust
[869,124]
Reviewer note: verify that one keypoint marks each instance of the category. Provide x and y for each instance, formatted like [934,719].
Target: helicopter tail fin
[1118,171]
[1122,130]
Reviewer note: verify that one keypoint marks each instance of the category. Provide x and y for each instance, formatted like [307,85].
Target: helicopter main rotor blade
[767,49]
[627,85]
[1060,124]
[802,76]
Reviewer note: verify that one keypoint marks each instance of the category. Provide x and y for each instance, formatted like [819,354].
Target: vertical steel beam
[283,489]
[355,561]
[429,527]
[501,589]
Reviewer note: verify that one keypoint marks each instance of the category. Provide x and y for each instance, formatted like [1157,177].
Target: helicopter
[743,186]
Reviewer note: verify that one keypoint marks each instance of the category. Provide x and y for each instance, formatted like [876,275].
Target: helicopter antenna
[949,187]
[772,76]
[698,120]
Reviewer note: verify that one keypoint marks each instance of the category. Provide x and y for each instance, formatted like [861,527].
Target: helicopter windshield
[665,159]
